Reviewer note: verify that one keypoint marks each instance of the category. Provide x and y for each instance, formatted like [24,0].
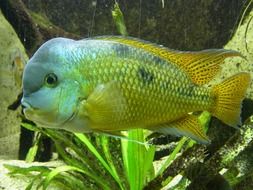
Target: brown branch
[188,158]
[197,168]
[30,30]
[18,16]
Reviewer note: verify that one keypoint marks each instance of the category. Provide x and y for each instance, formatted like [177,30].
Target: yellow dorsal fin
[201,66]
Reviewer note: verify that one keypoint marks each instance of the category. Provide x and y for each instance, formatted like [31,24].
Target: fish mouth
[26,106]
[32,113]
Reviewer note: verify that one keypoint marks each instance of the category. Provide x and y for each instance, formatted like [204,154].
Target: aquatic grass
[70,148]
[74,162]
[109,167]
[107,152]
[52,174]
[79,155]
[93,168]
[30,157]
[173,155]
[43,176]
[118,18]
[247,7]
[138,159]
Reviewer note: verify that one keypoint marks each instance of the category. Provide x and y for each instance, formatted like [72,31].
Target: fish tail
[228,98]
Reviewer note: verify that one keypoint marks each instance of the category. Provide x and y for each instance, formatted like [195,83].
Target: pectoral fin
[105,104]
[188,126]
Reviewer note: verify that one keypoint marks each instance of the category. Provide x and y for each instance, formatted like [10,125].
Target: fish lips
[26,106]
[35,114]
[28,109]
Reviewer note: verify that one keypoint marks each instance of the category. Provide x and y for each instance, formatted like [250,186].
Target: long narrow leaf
[66,168]
[172,156]
[105,146]
[58,137]
[30,157]
[118,18]
[90,146]
[70,160]
[137,159]
[30,127]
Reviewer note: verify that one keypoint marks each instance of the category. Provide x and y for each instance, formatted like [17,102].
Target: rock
[238,64]
[12,55]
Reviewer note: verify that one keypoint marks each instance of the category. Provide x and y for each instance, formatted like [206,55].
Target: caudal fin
[228,98]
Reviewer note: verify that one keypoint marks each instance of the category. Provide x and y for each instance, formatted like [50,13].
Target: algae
[244,33]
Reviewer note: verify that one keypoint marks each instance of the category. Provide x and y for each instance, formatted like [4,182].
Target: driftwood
[31,32]
[235,155]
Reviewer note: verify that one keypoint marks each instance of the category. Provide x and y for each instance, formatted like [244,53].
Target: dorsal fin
[201,66]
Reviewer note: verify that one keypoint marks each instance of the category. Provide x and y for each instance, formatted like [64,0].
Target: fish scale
[149,102]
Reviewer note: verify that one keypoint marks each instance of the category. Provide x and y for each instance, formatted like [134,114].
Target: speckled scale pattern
[155,91]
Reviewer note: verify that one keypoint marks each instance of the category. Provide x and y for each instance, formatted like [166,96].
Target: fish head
[51,90]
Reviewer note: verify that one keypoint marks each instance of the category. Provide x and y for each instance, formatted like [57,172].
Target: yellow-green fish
[111,83]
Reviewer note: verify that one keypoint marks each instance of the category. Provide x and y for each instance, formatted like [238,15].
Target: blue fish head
[51,90]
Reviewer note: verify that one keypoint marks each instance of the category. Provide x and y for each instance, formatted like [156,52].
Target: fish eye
[51,80]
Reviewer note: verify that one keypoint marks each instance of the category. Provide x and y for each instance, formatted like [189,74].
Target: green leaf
[90,146]
[30,157]
[149,171]
[31,153]
[30,127]
[73,181]
[65,138]
[138,159]
[118,18]
[172,156]
[105,146]
[25,171]
[78,158]
[66,168]
[38,177]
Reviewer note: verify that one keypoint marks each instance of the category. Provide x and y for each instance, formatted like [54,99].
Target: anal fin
[188,126]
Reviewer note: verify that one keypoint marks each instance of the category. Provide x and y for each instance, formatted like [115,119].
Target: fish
[109,84]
